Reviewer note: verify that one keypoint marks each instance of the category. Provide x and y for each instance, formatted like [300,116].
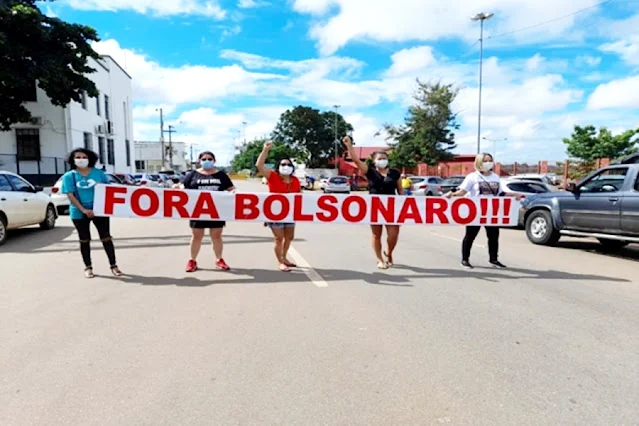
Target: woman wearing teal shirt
[79,185]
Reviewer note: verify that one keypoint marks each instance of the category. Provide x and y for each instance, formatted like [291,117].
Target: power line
[551,20]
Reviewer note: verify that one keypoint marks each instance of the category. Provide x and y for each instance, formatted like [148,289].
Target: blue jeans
[274,225]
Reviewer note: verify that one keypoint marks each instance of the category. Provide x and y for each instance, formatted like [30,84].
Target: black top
[382,185]
[218,181]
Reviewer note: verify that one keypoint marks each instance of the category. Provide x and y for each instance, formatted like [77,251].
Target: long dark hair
[92,156]
[203,153]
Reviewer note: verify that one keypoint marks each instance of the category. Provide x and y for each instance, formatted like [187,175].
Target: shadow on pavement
[37,242]
[273,276]
[26,240]
[630,252]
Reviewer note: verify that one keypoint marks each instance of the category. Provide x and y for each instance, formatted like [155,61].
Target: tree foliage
[35,47]
[246,158]
[427,135]
[311,134]
[585,143]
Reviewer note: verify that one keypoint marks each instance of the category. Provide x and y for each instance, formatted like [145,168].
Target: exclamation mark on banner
[484,210]
[507,204]
[495,212]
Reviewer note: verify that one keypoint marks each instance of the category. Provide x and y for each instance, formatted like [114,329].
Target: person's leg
[218,245]
[392,235]
[103,225]
[492,232]
[84,235]
[469,239]
[376,242]
[289,236]
[278,236]
[197,235]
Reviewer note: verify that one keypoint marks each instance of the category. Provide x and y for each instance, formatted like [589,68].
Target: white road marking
[308,270]
[455,239]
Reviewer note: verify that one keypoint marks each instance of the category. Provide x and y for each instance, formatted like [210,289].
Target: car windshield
[338,180]
[416,180]
[453,181]
[154,177]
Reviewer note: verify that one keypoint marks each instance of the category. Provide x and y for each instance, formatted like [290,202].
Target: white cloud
[251,4]
[628,49]
[143,112]
[208,8]
[591,61]
[404,20]
[411,60]
[621,93]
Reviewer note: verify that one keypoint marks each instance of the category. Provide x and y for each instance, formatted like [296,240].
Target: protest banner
[143,202]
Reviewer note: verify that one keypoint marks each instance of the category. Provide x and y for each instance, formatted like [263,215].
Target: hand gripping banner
[156,203]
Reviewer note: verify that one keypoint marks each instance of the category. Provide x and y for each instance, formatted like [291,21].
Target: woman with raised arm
[381,181]
[483,182]
[79,185]
[280,181]
[207,178]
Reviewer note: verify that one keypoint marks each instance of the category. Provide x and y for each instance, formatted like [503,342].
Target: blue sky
[212,65]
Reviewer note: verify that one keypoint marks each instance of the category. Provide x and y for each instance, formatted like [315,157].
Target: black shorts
[207,224]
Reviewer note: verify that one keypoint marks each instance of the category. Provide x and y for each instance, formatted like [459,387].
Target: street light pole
[335,142]
[494,141]
[481,17]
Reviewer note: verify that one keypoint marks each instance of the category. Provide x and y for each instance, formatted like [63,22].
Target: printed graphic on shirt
[489,188]
[86,183]
[210,184]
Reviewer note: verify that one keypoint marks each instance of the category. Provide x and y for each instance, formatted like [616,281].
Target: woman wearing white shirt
[484,182]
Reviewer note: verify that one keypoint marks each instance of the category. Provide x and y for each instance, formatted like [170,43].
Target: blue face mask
[208,164]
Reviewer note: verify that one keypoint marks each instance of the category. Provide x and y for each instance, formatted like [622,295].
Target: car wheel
[3,230]
[612,244]
[49,218]
[540,228]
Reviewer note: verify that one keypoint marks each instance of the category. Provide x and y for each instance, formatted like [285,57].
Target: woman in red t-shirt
[280,181]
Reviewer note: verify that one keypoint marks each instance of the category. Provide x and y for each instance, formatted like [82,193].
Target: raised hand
[268,145]
[347,141]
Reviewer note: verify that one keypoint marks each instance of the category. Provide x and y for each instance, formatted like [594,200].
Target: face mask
[382,164]
[286,170]
[81,163]
[208,164]
[487,166]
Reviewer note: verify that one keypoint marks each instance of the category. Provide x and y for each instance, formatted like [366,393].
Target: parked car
[526,187]
[426,185]
[171,174]
[60,200]
[114,180]
[145,179]
[533,176]
[22,204]
[604,205]
[452,183]
[126,178]
[337,184]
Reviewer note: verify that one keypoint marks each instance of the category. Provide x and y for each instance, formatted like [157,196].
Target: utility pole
[191,162]
[244,123]
[481,17]
[162,137]
[171,131]
[336,142]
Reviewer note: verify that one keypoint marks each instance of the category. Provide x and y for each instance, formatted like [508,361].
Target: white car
[337,184]
[60,200]
[22,204]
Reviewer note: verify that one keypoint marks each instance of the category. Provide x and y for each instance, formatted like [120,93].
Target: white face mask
[81,163]
[382,163]
[286,170]
[487,166]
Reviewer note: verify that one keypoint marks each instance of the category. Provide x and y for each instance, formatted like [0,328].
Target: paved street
[551,340]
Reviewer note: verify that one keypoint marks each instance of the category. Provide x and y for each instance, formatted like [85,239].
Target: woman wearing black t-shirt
[207,178]
[381,181]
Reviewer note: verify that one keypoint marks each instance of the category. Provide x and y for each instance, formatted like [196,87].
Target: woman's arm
[348,142]
[261,161]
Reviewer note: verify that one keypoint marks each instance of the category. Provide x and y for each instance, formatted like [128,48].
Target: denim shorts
[274,225]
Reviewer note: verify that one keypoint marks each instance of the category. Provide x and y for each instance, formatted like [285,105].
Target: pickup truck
[604,205]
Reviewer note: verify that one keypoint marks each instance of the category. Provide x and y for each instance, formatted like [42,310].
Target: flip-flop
[284,268]
[389,262]
[382,265]
[290,264]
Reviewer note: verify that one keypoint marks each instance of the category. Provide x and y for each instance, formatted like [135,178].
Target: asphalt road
[552,340]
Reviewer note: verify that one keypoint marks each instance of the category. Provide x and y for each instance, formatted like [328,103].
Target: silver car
[426,185]
[337,184]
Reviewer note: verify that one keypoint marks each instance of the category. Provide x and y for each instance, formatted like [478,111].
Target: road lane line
[308,269]
[455,239]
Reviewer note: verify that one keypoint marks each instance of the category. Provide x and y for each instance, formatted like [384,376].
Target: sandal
[389,259]
[116,271]
[88,272]
[290,264]
[382,265]
[284,268]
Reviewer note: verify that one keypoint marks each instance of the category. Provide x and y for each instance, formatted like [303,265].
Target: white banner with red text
[156,203]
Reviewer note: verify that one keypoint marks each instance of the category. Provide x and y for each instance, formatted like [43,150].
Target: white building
[148,156]
[38,150]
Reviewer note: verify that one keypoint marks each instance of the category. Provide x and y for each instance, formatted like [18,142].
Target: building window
[84,100]
[88,141]
[128,153]
[110,152]
[28,143]
[31,93]
[97,104]
[107,115]
[139,165]
[101,150]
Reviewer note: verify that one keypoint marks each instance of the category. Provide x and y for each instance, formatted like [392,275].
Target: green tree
[35,47]
[427,135]
[311,134]
[246,158]
[586,144]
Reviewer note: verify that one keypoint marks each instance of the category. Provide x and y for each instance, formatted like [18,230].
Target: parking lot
[550,340]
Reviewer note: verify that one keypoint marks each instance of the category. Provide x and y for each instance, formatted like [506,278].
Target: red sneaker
[221,264]
[191,266]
